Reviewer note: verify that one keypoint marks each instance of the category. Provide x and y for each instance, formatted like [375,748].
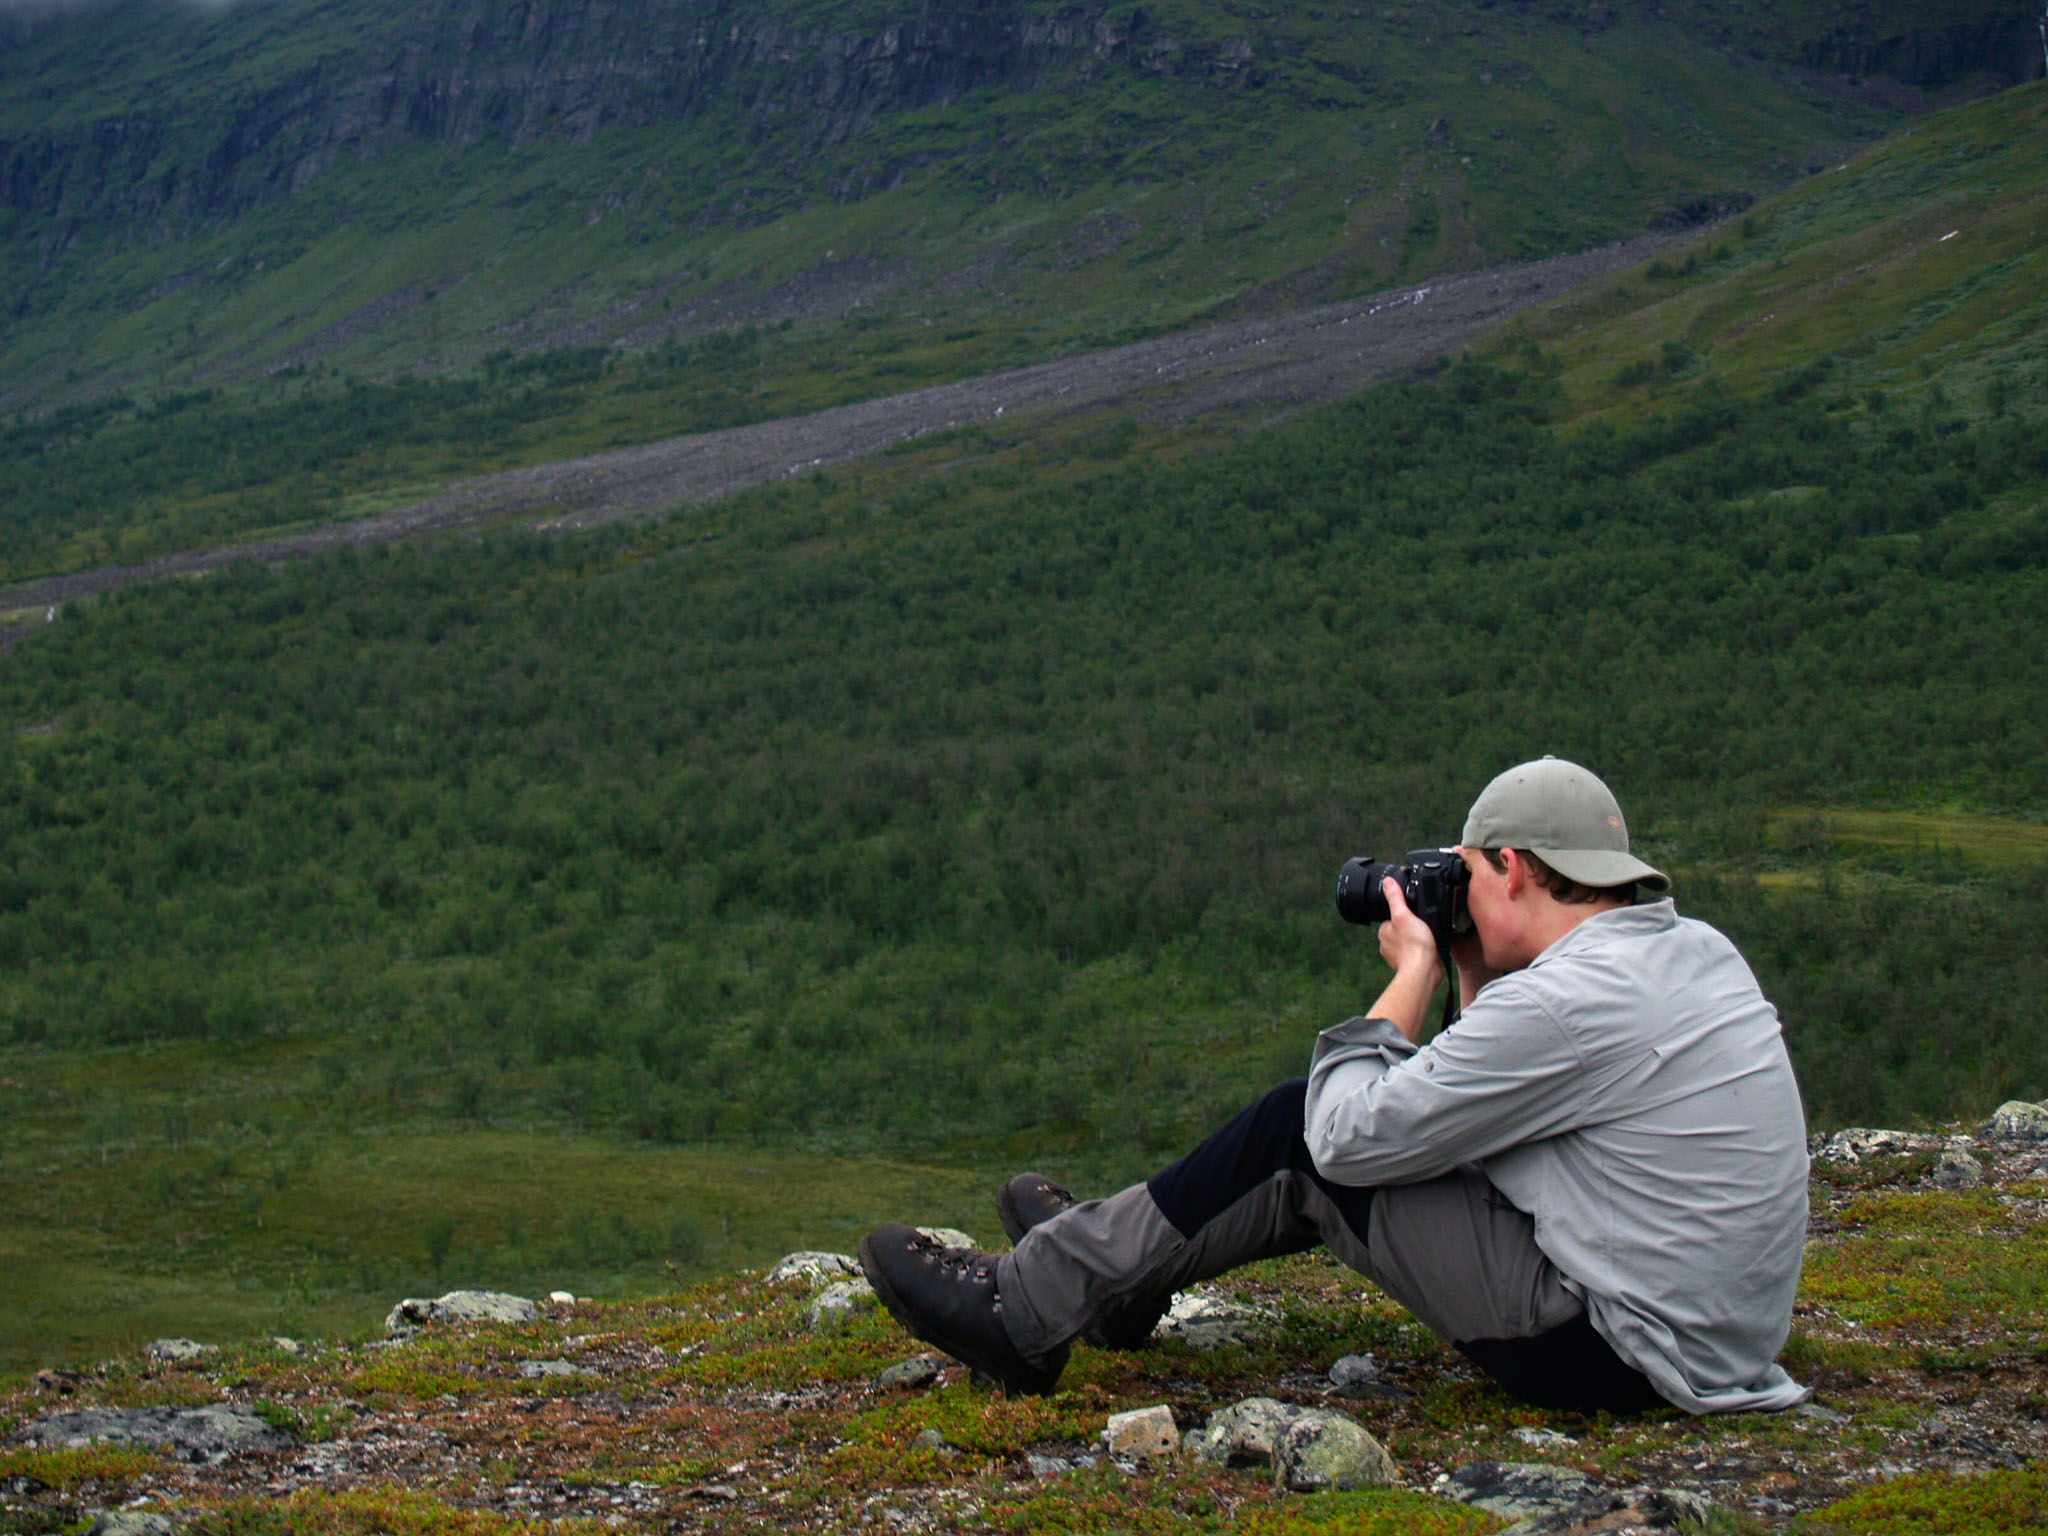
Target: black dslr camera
[1432,882]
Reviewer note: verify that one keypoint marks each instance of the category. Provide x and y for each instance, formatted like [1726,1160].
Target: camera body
[1432,882]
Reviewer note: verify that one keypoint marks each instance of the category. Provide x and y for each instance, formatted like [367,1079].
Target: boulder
[460,1307]
[839,1304]
[1322,1451]
[2017,1120]
[1244,1434]
[1142,1434]
[209,1434]
[818,1268]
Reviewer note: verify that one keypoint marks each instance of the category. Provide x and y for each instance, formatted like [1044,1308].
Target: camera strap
[1443,955]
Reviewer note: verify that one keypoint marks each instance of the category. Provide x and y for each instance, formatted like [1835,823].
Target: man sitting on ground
[1593,1184]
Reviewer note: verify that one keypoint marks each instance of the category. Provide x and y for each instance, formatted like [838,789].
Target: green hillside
[975,806]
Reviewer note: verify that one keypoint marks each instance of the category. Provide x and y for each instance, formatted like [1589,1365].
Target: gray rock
[1044,1467]
[1638,1509]
[1517,1490]
[1852,1146]
[1244,1434]
[1206,1320]
[1955,1168]
[839,1304]
[1327,1451]
[818,1268]
[950,1237]
[131,1522]
[536,1370]
[211,1434]
[460,1307]
[1354,1371]
[1547,1439]
[178,1351]
[929,1440]
[2017,1120]
[1820,1415]
[916,1372]
[1142,1434]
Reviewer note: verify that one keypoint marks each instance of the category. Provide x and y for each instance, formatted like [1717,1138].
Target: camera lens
[1359,896]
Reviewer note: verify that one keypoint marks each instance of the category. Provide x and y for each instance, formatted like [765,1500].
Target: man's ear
[1517,871]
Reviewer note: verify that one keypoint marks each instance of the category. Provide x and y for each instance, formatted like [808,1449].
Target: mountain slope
[203,195]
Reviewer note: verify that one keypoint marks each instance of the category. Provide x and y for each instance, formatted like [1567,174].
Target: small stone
[929,1440]
[1142,1434]
[561,1298]
[839,1304]
[536,1370]
[1852,1146]
[1354,1371]
[285,1346]
[130,1522]
[909,1375]
[1205,1320]
[1548,1439]
[460,1307]
[178,1351]
[1043,1467]
[1820,1415]
[1244,1434]
[1518,1490]
[818,1268]
[1955,1168]
[949,1237]
[1322,1450]
[2017,1120]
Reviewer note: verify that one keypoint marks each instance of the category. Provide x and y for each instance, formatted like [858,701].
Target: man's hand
[1409,947]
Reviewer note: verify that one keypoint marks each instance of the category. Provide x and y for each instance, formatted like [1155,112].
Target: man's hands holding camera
[1408,946]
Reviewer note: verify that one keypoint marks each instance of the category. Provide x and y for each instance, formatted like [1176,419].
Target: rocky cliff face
[462,72]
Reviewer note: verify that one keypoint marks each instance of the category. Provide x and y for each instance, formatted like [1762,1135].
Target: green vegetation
[937,816]
[1914,268]
[1939,1504]
[716,1404]
[612,910]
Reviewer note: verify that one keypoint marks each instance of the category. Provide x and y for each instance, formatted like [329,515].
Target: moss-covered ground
[719,1407]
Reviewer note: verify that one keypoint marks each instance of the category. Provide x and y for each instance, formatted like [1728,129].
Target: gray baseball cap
[1564,813]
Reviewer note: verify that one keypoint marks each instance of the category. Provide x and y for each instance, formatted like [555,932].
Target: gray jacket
[1628,1089]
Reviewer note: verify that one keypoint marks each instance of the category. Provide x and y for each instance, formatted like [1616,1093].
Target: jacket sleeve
[1382,1111]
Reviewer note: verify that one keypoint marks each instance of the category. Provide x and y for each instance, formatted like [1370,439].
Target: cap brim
[1602,867]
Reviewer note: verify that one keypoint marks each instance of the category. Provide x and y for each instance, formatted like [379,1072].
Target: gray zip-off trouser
[1452,1250]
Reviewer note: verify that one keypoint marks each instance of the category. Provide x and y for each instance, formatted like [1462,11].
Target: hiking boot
[947,1297]
[1027,1200]
[1031,1198]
